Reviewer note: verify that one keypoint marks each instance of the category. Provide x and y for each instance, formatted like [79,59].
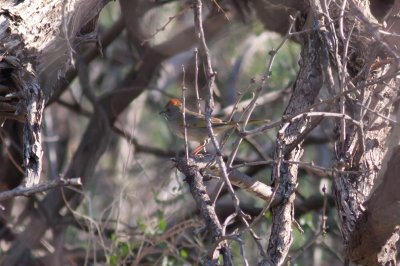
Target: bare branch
[27,191]
[184,114]
[163,27]
[203,201]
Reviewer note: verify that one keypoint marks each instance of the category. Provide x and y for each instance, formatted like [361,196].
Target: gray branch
[27,191]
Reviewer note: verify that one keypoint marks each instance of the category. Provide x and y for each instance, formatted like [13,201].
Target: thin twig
[316,29]
[377,114]
[210,77]
[232,113]
[327,101]
[196,78]
[342,9]
[319,170]
[255,221]
[247,115]
[164,26]
[27,191]
[321,230]
[184,114]
[342,80]
[9,154]
[235,237]
[262,100]
[372,29]
[267,75]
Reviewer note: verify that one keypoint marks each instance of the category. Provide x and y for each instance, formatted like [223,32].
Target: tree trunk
[369,220]
[344,57]
[38,40]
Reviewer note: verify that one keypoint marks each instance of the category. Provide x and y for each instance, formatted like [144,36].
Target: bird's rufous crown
[174,102]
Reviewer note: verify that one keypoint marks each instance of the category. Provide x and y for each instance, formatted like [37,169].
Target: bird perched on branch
[196,124]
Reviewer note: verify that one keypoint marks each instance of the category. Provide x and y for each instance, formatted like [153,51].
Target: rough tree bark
[199,192]
[368,240]
[38,39]
[351,55]
[288,145]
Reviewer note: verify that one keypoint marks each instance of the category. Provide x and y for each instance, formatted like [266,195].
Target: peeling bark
[363,147]
[39,39]
[32,140]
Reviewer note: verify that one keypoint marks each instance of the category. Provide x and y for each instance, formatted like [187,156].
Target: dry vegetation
[81,87]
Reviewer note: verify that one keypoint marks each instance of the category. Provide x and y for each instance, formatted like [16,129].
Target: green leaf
[142,227]
[124,249]
[113,260]
[162,225]
[184,254]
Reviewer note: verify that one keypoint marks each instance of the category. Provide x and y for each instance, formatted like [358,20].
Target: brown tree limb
[204,204]
[305,92]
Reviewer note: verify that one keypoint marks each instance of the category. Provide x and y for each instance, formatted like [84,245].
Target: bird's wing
[216,122]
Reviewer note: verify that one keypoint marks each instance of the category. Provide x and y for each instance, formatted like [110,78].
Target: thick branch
[204,203]
[380,222]
[306,90]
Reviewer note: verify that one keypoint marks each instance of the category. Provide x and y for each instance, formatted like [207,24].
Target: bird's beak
[162,113]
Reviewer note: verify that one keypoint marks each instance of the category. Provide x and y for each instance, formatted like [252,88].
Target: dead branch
[203,201]
[27,191]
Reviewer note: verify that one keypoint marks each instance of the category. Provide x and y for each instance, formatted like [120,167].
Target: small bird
[195,124]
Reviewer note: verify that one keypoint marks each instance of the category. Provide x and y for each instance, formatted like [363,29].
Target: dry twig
[27,191]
